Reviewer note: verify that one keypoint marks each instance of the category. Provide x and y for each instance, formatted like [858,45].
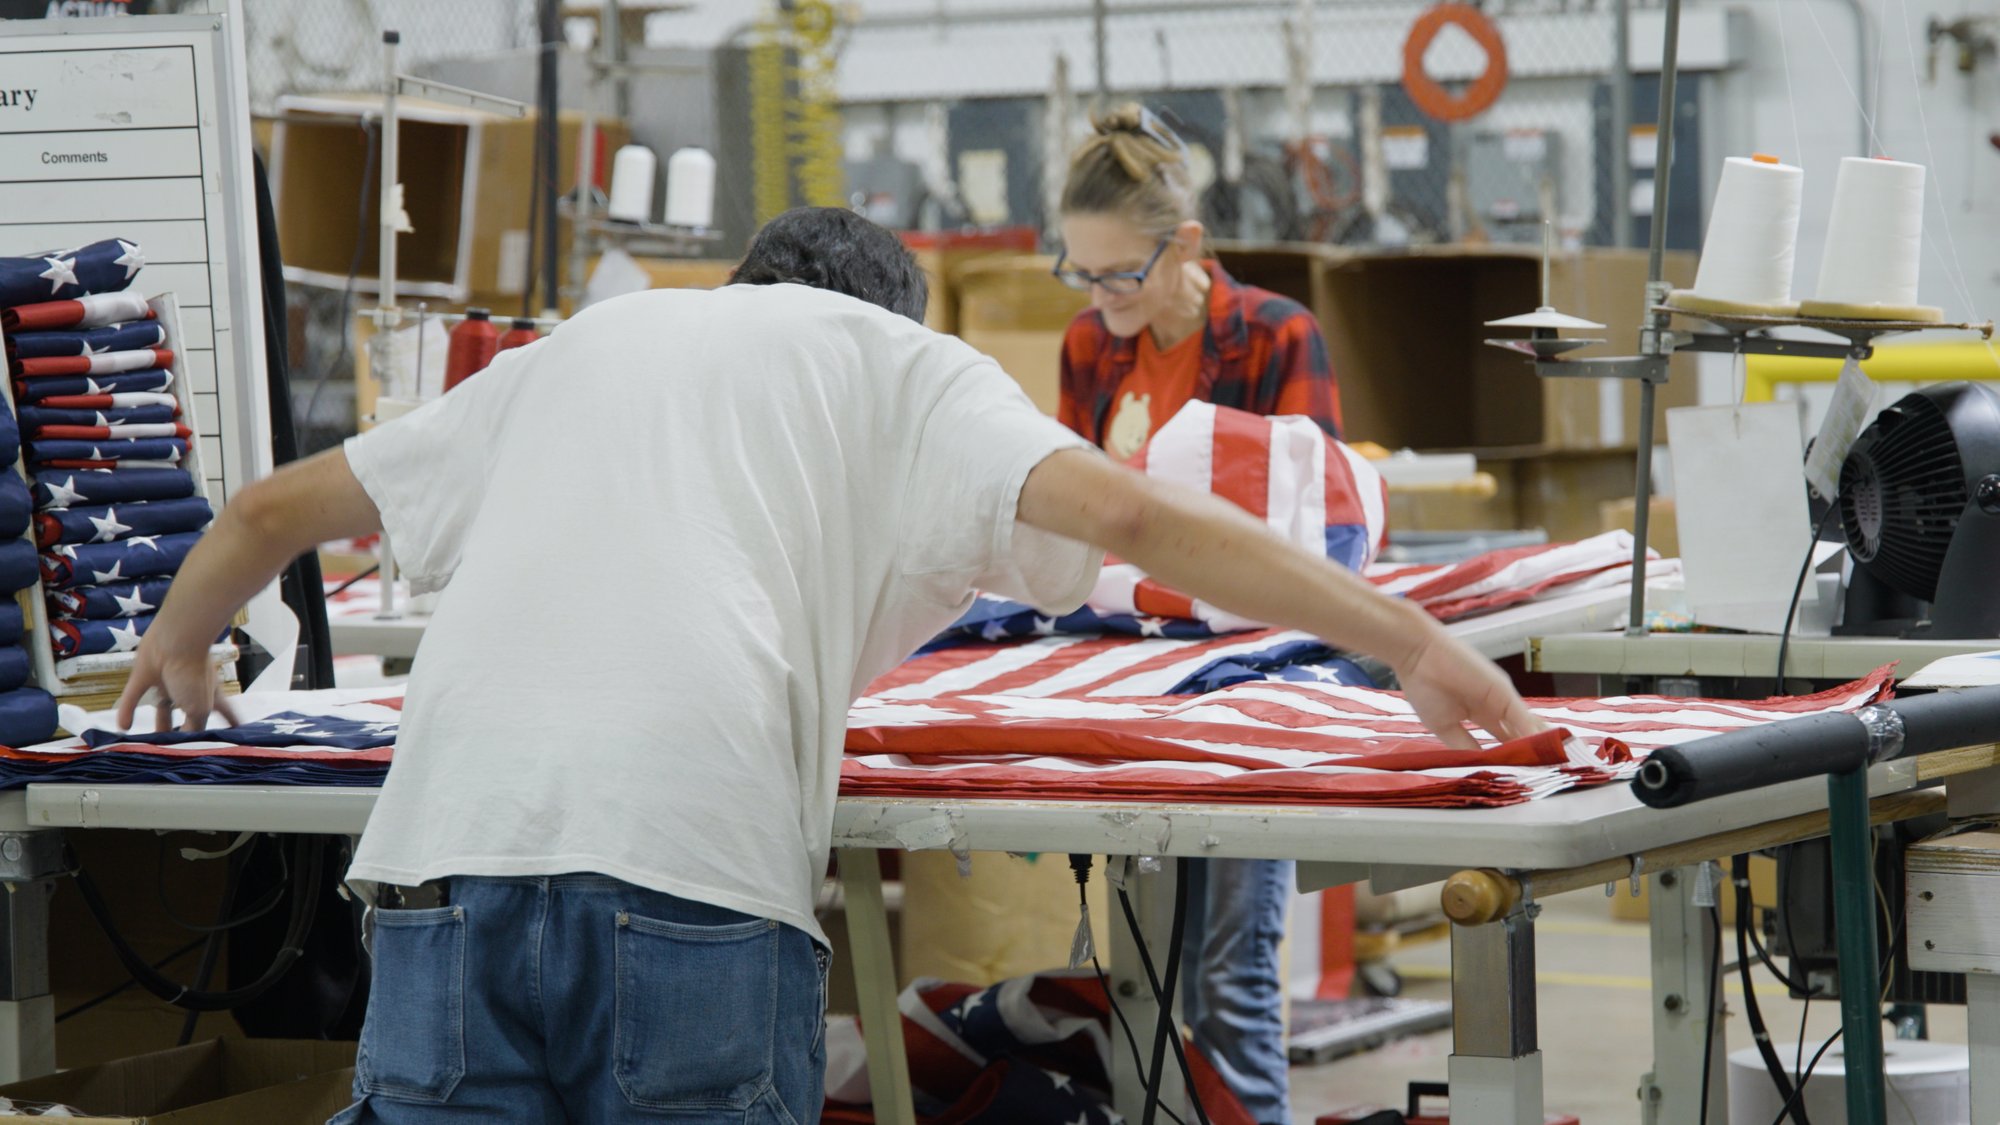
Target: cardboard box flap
[308,1101]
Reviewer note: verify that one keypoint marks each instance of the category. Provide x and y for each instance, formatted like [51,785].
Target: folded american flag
[34,417]
[103,603]
[93,311]
[13,624]
[27,716]
[98,392]
[13,667]
[101,267]
[76,637]
[88,341]
[110,432]
[19,565]
[94,564]
[15,505]
[63,488]
[108,363]
[104,454]
[1030,1049]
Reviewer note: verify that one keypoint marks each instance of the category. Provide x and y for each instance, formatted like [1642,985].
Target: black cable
[121,989]
[342,588]
[1798,590]
[1168,1029]
[1153,980]
[310,863]
[1708,1032]
[264,906]
[212,951]
[1796,1094]
[1739,871]
[1080,865]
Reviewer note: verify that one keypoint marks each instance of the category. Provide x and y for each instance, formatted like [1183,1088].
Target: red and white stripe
[1510,576]
[1284,470]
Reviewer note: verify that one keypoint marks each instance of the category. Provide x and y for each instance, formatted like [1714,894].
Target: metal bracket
[28,856]
[1733,343]
[1643,369]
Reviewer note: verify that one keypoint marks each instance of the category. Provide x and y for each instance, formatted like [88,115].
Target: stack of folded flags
[104,446]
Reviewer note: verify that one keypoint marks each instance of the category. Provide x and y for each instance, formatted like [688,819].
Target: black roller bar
[1794,749]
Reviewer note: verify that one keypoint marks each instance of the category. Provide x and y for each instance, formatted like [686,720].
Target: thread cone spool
[691,189]
[1874,242]
[632,184]
[1751,243]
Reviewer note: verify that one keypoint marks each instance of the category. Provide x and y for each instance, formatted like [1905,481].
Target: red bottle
[473,344]
[520,335]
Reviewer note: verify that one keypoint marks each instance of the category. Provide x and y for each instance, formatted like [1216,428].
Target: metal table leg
[1683,943]
[29,863]
[875,987]
[1496,1062]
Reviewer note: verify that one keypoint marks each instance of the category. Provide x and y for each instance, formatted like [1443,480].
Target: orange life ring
[1428,93]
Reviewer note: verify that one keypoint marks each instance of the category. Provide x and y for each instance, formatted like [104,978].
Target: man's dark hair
[833,248]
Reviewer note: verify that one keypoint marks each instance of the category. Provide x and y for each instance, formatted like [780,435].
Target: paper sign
[1853,402]
[1740,499]
[1406,148]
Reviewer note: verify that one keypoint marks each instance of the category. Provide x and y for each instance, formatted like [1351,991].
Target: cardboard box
[1406,334]
[1560,490]
[1011,309]
[1011,916]
[1662,529]
[683,273]
[221,1082]
[467,183]
[1628,907]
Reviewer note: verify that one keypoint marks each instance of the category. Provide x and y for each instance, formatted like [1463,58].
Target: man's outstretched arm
[261,530]
[1215,551]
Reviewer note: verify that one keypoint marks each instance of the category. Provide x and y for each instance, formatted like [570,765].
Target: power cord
[1166,1032]
[1739,874]
[129,984]
[1799,588]
[1079,865]
[1795,1098]
[1708,1032]
[309,866]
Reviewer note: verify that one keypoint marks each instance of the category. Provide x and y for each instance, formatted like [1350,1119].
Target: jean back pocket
[413,1041]
[696,1012]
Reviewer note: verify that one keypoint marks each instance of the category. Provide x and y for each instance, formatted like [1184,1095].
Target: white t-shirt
[676,539]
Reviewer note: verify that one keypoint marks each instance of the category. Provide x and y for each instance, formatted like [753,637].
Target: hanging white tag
[1853,403]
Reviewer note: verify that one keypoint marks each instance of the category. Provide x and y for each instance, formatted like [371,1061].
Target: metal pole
[1098,12]
[1854,934]
[388,205]
[1655,339]
[1621,124]
[545,139]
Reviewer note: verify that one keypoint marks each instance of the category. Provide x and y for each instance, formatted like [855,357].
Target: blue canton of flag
[73,637]
[45,387]
[13,623]
[106,523]
[35,417]
[19,565]
[13,667]
[115,449]
[94,564]
[100,603]
[88,341]
[101,267]
[284,729]
[66,488]
[14,506]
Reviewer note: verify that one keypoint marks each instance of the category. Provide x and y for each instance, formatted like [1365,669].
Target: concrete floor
[1596,1026]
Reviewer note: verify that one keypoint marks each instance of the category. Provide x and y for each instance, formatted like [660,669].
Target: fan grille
[1902,490]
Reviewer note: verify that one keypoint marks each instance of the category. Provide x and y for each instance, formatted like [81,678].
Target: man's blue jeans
[582,998]
[1233,1000]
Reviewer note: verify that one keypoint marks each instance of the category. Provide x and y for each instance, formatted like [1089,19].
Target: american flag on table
[1030,1049]
[1061,718]
[1054,719]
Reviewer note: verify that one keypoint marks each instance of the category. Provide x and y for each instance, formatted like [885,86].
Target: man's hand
[1450,685]
[1204,546]
[185,677]
[262,529]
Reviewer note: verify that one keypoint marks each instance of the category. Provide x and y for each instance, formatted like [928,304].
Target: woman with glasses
[1166,327]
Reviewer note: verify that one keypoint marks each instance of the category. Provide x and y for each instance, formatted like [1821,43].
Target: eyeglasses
[1117,281]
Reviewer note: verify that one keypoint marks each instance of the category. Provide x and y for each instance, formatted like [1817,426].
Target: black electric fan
[1920,506]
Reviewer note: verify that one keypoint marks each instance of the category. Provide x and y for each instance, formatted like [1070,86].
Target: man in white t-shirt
[676,539]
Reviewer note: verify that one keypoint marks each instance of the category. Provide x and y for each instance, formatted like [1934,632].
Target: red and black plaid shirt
[1260,352]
